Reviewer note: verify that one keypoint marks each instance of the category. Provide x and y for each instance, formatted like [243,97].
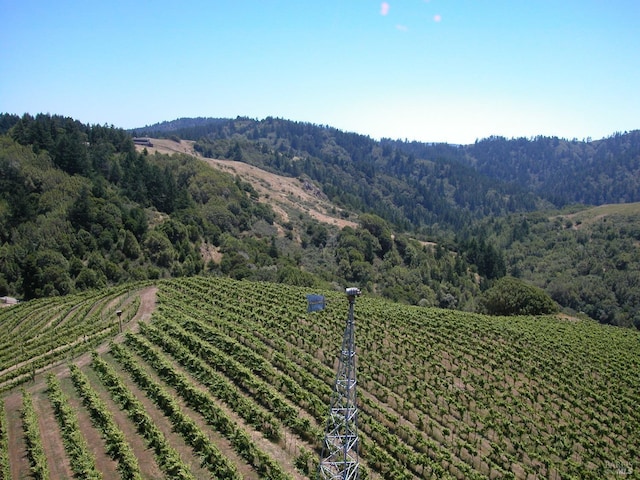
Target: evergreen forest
[450,226]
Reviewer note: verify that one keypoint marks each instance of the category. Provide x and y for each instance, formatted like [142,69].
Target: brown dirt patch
[51,438]
[18,462]
[567,318]
[283,194]
[163,145]
[210,253]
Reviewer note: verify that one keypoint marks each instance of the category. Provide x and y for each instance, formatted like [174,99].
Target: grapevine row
[263,393]
[310,384]
[204,404]
[117,446]
[391,468]
[4,443]
[27,371]
[82,461]
[213,459]
[168,459]
[35,451]
[216,383]
[489,385]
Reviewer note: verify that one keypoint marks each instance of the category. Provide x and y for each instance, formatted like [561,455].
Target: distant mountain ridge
[565,171]
[359,173]
[558,171]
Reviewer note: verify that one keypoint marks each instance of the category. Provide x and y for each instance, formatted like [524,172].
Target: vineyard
[214,378]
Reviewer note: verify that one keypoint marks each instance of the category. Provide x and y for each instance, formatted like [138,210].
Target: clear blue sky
[429,70]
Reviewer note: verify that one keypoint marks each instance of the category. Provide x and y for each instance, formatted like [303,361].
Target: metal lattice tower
[339,459]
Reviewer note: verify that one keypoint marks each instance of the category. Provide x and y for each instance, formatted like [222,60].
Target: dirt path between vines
[145,310]
[50,436]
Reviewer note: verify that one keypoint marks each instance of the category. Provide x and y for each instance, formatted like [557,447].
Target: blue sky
[438,70]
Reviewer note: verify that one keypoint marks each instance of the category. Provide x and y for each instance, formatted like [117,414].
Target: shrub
[510,296]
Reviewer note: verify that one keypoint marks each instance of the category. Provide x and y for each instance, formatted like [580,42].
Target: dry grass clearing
[287,196]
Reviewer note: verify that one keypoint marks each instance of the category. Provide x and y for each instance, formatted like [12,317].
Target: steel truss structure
[340,459]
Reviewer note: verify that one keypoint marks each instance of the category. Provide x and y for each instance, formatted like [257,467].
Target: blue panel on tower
[316,303]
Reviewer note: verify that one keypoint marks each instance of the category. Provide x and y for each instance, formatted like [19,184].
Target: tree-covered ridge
[128,216]
[79,208]
[429,194]
[522,170]
[588,172]
[591,172]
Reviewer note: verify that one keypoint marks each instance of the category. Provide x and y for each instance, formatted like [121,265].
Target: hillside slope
[587,259]
[288,196]
[238,374]
[295,203]
[557,170]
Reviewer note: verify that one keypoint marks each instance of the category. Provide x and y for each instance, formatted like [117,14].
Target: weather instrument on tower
[339,460]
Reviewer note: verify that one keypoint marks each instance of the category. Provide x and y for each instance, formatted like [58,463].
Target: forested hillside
[563,172]
[429,194]
[446,193]
[81,208]
[559,171]
[591,172]
[586,259]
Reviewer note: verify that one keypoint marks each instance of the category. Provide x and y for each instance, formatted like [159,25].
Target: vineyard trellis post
[339,460]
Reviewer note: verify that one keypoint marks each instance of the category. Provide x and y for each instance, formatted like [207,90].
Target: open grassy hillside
[215,378]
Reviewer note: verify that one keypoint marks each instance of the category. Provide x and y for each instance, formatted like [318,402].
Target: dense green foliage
[559,171]
[564,172]
[79,209]
[586,259]
[437,224]
[127,216]
[510,296]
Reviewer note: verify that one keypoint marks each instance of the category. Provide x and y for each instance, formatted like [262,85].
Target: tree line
[81,208]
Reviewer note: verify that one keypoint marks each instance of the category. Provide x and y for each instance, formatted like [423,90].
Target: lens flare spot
[384,8]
